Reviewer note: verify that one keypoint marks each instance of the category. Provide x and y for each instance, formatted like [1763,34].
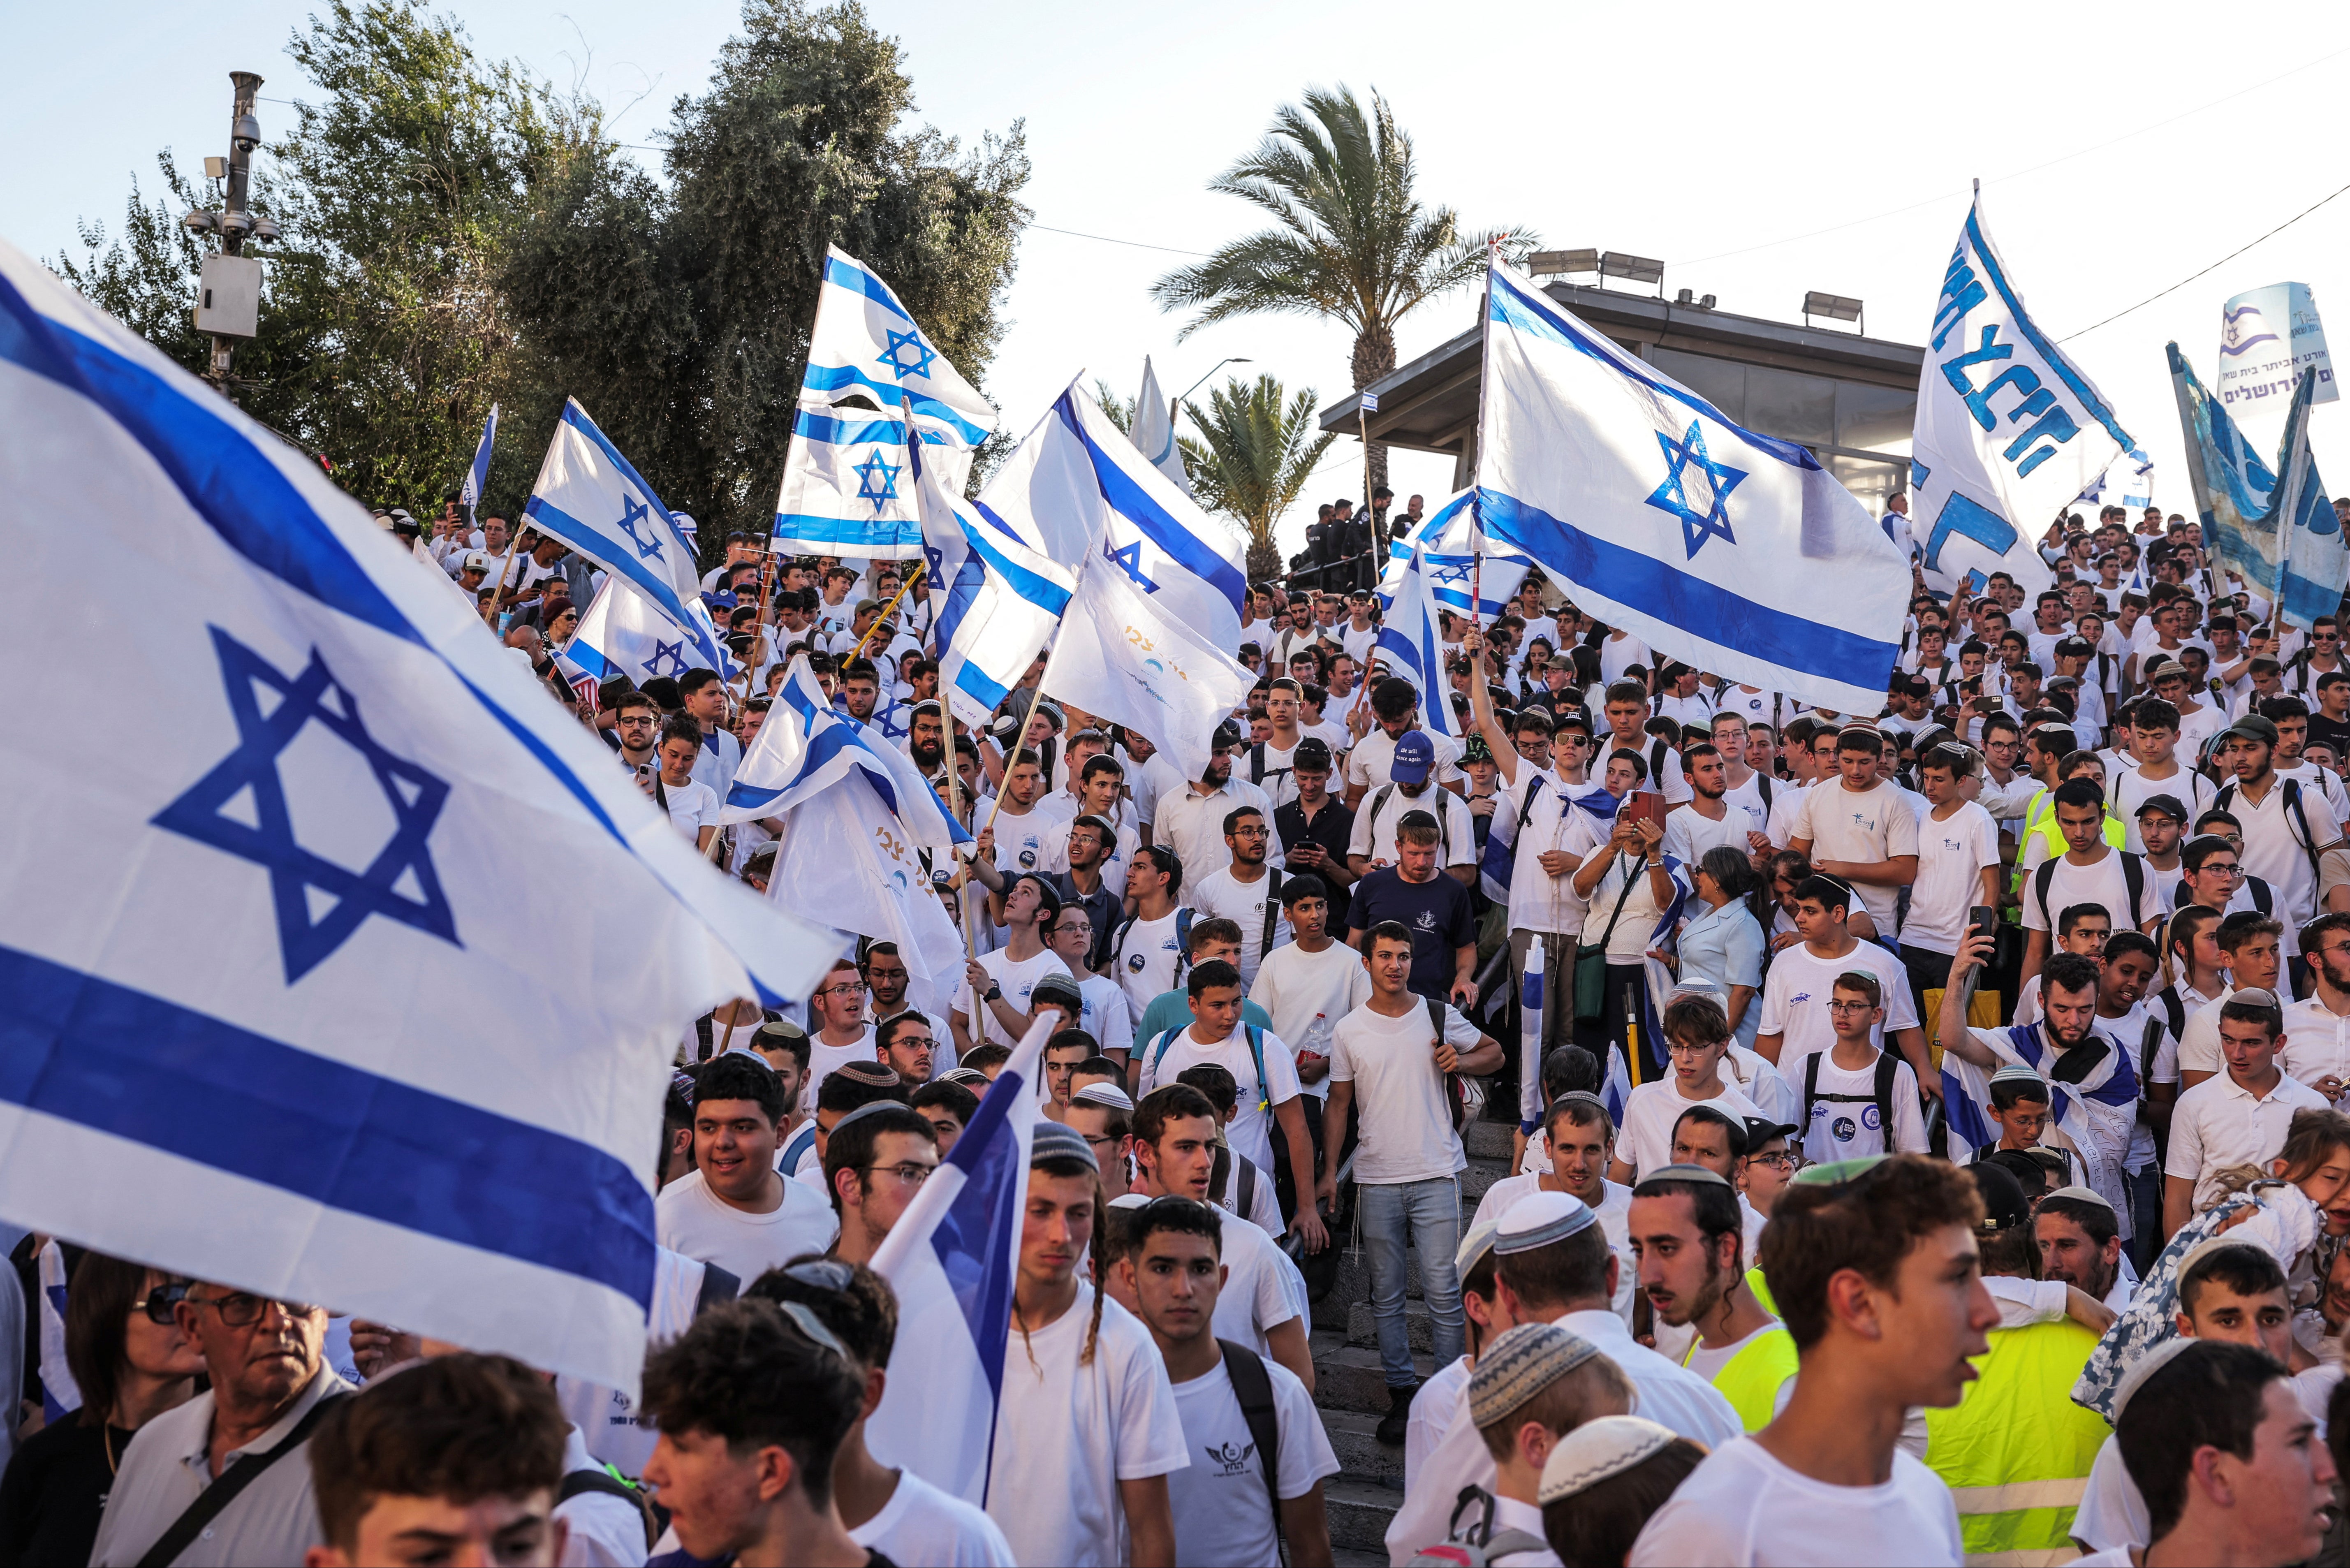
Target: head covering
[2251,727]
[1474,1246]
[2153,1361]
[1587,1097]
[2003,1196]
[1415,753]
[2081,1195]
[2168,805]
[1679,1173]
[1761,1130]
[1054,1141]
[966,1076]
[2014,1074]
[1313,754]
[1109,1094]
[873,1074]
[1541,1220]
[1598,1450]
[774,1033]
[1056,988]
[1520,1364]
[1837,1173]
[866,1109]
[1128,1200]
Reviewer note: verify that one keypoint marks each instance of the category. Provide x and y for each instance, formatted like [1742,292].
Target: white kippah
[1475,1245]
[1540,1220]
[1109,1094]
[2146,1367]
[1597,1449]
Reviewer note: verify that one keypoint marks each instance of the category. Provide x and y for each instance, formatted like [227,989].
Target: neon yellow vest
[2015,1451]
[1762,1291]
[2040,822]
[1750,1379]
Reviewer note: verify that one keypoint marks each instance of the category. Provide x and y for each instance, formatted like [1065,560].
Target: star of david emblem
[633,512]
[896,357]
[319,904]
[1695,489]
[1454,573]
[672,651]
[937,559]
[1129,561]
[877,479]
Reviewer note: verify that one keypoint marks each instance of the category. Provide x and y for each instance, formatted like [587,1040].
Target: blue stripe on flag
[1045,594]
[1965,1118]
[2046,351]
[1129,501]
[1679,598]
[662,594]
[856,280]
[971,679]
[577,418]
[931,408]
[905,537]
[975,1239]
[138,1067]
[841,433]
[834,377]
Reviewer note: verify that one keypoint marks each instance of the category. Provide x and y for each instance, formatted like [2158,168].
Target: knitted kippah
[1598,1450]
[1520,1364]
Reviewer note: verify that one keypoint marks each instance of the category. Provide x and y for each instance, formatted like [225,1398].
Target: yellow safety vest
[2015,1451]
[1762,1291]
[1750,1379]
[2040,822]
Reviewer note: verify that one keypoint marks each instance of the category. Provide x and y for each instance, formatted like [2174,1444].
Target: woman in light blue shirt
[1722,941]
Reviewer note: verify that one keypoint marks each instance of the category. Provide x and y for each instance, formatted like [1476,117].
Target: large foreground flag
[2008,430]
[876,383]
[591,498]
[1154,431]
[1710,543]
[952,1259]
[625,633]
[356,979]
[1412,645]
[999,594]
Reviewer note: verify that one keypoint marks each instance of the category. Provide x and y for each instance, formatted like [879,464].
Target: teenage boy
[2253,947]
[735,1209]
[1257,1486]
[842,1034]
[1008,975]
[1957,870]
[1534,1385]
[2153,731]
[2317,1029]
[1697,1039]
[2239,1118]
[1872,1264]
[1305,986]
[1687,1230]
[1795,1018]
[1247,891]
[1860,828]
[1858,1098]
[2288,828]
[2090,871]
[875,1160]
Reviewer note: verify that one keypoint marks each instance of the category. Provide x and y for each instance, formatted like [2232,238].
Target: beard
[928,758]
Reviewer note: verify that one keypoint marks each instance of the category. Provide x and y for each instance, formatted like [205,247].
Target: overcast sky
[1760,152]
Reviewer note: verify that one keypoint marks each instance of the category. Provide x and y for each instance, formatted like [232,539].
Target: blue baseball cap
[1415,753]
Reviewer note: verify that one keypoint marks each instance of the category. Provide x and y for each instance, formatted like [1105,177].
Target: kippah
[2210,1244]
[1109,1094]
[1541,1220]
[2255,996]
[1597,1449]
[864,1110]
[1128,1200]
[2081,1195]
[1520,1364]
[1837,1173]
[1475,1245]
[682,1082]
[1679,1173]
[2146,1367]
[964,1075]
[873,1074]
[779,1028]
[2013,1073]
[1054,1141]
[1594,1101]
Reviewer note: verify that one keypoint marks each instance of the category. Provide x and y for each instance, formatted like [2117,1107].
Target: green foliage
[1255,453]
[1120,411]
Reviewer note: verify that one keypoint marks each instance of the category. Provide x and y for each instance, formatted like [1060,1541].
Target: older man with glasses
[225,1478]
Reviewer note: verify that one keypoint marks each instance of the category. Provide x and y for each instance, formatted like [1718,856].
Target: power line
[2191,277]
[1108,240]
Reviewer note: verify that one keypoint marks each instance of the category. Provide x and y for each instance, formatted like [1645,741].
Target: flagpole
[858,652]
[963,911]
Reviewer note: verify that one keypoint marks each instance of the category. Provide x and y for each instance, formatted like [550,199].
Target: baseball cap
[2251,727]
[1415,755]
[2167,806]
[476,561]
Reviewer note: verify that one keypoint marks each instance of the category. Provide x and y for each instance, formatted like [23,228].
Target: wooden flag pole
[858,652]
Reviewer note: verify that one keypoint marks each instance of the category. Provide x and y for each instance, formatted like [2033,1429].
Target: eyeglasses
[843,990]
[1099,1141]
[632,724]
[912,1172]
[158,1302]
[1785,1161]
[1863,1005]
[2229,869]
[241,1310]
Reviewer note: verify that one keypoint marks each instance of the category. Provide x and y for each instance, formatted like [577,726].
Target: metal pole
[245,134]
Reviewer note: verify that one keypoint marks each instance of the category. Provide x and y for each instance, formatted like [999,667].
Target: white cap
[1540,1219]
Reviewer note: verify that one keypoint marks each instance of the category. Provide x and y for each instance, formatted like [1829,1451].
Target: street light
[1230,360]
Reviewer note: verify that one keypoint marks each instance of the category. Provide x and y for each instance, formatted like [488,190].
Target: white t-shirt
[692,806]
[1863,827]
[2218,1124]
[1070,1432]
[1619,651]
[1296,989]
[1795,1000]
[1370,762]
[1742,1507]
[2272,848]
[824,1059]
[1251,1132]
[1147,961]
[1105,1015]
[1405,1126]
[1951,855]
[1538,900]
[1256,1298]
[688,1217]
[1193,825]
[2105,884]
[1646,1142]
[604,1418]
[1851,1129]
[1377,819]
[1222,896]
[2113,1511]
[2131,789]
[1223,1516]
[920,1523]
[1018,979]
[1688,835]
[1020,839]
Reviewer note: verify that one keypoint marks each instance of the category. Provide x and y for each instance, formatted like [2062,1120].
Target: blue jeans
[2144,1188]
[1430,1213]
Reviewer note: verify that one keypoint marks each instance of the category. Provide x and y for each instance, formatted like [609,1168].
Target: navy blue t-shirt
[1436,912]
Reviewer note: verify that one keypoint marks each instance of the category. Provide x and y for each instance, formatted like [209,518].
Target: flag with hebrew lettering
[2008,430]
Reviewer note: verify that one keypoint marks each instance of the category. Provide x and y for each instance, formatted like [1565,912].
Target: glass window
[1720,382]
[1791,406]
[1875,418]
[1871,481]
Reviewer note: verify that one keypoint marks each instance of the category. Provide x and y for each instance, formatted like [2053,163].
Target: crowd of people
[1930,1146]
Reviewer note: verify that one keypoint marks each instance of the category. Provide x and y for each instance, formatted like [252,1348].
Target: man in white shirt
[1410,788]
[735,1209]
[2317,1031]
[1825,1482]
[1795,1018]
[2288,827]
[1247,891]
[2090,871]
[2239,1117]
[1191,820]
[2154,728]
[1859,828]
[1004,978]
[838,1008]
[1307,985]
[1395,712]
[1625,709]
[1705,821]
[1957,870]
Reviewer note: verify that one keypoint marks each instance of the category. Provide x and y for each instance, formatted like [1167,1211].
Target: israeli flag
[1707,541]
[361,985]
[876,383]
[2128,480]
[625,633]
[2312,563]
[2237,499]
[588,496]
[1412,645]
[1154,431]
[477,478]
[858,818]
[953,1258]
[1530,1039]
[999,591]
[1449,536]
[2009,429]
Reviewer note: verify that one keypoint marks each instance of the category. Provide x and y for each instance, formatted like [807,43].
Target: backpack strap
[2300,817]
[2133,878]
[598,1479]
[717,1287]
[1182,940]
[2263,896]
[1811,1088]
[1658,750]
[1888,1074]
[1256,763]
[1272,911]
[1256,1054]
[1244,1199]
[1763,787]
[1159,1052]
[2174,1010]
[2041,880]
[214,1498]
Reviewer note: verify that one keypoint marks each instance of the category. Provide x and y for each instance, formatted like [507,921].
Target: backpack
[1443,822]
[1183,942]
[599,1479]
[1881,1093]
[1257,773]
[1254,1386]
[1456,1087]
[1256,1054]
[1220,1172]
[2174,1013]
[2263,895]
[1477,1543]
[2133,878]
[2295,814]
[1272,911]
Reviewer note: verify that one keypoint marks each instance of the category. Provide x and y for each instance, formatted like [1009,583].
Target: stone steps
[1360,1511]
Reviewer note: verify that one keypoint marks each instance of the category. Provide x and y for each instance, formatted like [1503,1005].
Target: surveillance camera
[199,222]
[265,228]
[235,223]
[247,133]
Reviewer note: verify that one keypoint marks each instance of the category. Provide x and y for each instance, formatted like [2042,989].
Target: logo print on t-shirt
[1233,1457]
[1871,1120]
[1425,920]
[1028,859]
[1136,963]
[1843,1130]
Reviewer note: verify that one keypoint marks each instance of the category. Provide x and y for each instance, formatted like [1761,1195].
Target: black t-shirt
[1436,912]
[1331,828]
[54,1490]
[2335,732]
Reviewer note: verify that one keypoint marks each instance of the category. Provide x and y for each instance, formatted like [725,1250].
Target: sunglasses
[158,1302]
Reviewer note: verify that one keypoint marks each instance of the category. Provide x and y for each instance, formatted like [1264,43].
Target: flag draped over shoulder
[1707,541]
[2009,430]
[875,385]
[2094,1112]
[361,986]
[953,1258]
[625,633]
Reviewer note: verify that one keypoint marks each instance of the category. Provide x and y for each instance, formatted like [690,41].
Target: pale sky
[1759,152]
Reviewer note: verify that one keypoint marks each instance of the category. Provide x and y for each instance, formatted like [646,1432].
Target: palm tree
[1119,410]
[1353,244]
[1257,451]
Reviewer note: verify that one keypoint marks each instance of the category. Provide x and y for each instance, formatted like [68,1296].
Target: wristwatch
[994,993]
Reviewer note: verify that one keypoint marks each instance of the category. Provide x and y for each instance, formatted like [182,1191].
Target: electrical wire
[2191,277]
[1107,240]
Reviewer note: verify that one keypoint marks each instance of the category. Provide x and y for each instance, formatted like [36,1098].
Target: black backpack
[1888,1066]
[2133,878]
[1252,1384]
[2295,814]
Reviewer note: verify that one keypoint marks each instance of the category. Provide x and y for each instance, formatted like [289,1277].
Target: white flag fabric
[625,633]
[1154,431]
[999,592]
[1121,656]
[2315,564]
[588,496]
[2008,430]
[1412,645]
[357,980]
[1448,535]
[874,382]
[1707,542]
[477,477]
[954,1258]
[814,747]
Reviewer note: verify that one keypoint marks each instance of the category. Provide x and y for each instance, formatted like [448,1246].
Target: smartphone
[1984,919]
[1644,806]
